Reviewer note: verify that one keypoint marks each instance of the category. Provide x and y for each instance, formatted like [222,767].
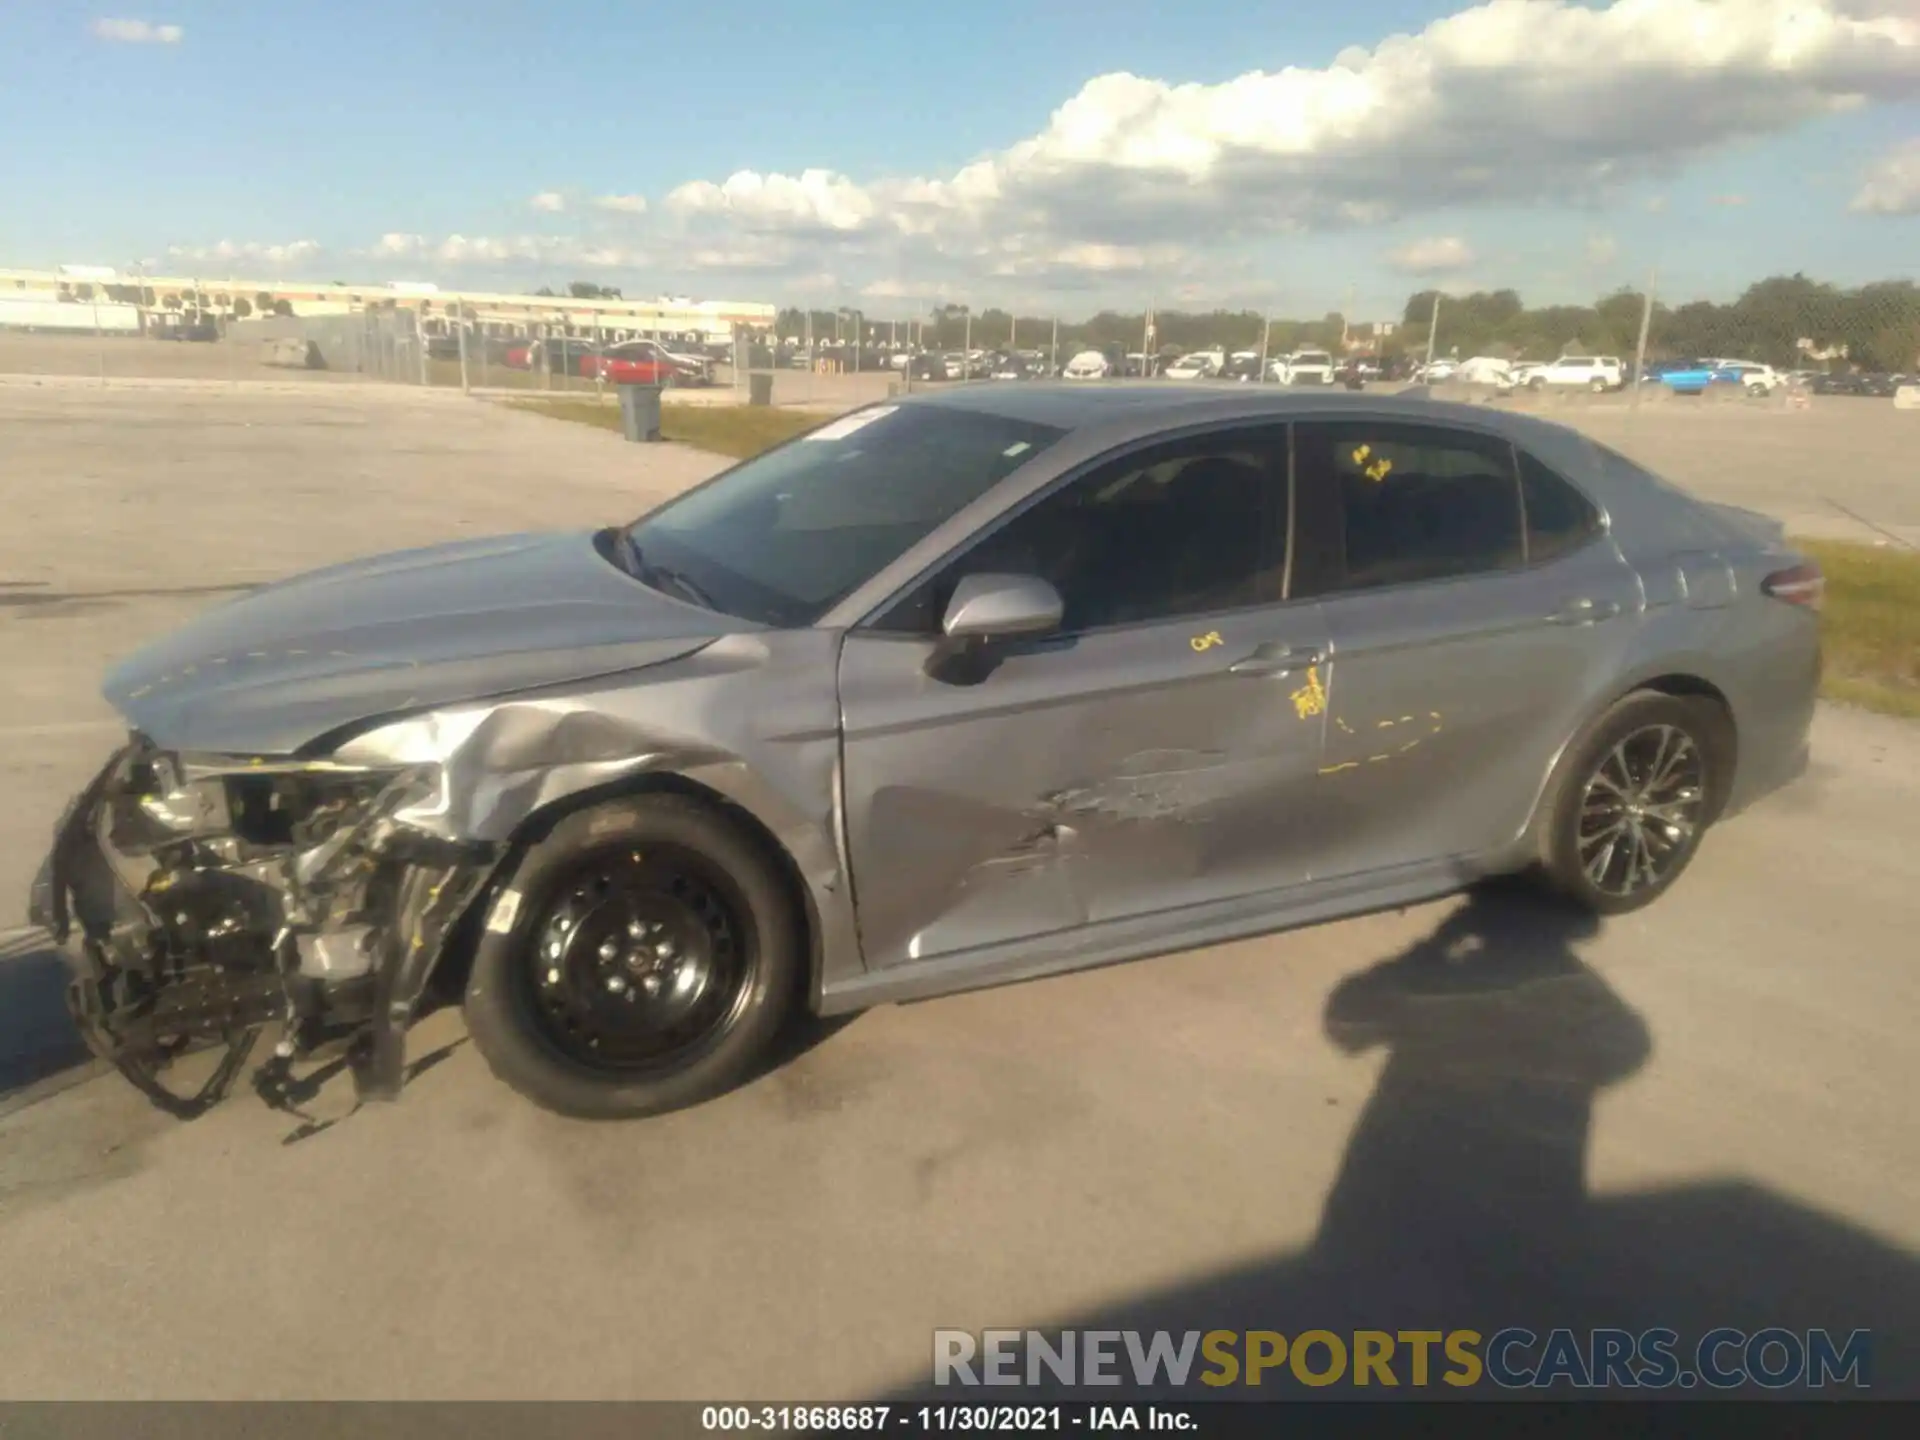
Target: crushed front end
[203,899]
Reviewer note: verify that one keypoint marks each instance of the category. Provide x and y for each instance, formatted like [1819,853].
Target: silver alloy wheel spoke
[1682,754]
[1597,867]
[1640,810]
[1658,767]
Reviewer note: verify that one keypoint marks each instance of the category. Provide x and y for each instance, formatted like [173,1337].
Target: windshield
[1313,357]
[782,538]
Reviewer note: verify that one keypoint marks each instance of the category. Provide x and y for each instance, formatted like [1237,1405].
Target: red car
[637,362]
[562,356]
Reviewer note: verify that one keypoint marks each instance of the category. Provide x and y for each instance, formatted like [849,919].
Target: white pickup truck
[1588,372]
[1307,367]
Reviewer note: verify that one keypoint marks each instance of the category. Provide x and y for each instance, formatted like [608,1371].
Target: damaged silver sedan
[951,691]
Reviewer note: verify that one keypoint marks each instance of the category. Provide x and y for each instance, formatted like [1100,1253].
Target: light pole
[1640,346]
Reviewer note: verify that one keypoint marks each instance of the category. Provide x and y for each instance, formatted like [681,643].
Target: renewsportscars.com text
[1513,1358]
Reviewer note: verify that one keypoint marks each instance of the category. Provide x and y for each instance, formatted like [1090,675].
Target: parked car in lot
[1243,368]
[1683,377]
[1087,365]
[1858,383]
[1597,373]
[953,690]
[1199,365]
[643,362]
[1751,376]
[1486,370]
[1306,367]
[560,356]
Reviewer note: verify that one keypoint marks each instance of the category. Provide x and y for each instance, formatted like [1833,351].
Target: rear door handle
[1274,658]
[1585,612]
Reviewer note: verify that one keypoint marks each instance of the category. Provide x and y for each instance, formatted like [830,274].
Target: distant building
[493,313]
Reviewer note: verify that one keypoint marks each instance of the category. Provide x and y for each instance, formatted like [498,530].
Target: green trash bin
[760,388]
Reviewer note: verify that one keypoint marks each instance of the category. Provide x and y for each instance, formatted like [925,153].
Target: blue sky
[479,144]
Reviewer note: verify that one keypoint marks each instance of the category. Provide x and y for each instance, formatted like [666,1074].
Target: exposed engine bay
[204,899]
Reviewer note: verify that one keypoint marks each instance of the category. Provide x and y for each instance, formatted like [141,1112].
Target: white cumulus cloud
[1138,180]
[812,200]
[505,252]
[1440,255]
[1892,183]
[1509,101]
[137,32]
[247,252]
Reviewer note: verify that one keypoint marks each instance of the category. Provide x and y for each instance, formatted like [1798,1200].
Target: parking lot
[1695,1116]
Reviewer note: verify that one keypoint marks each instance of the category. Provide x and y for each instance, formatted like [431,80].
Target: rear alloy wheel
[1634,801]
[1598,387]
[650,960]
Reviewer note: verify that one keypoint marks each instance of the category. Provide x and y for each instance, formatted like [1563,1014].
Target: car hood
[270,672]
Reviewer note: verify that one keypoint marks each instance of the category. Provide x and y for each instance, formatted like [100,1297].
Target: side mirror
[992,607]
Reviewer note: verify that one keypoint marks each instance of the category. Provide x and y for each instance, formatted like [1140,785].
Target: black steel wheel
[641,958]
[637,958]
[1635,796]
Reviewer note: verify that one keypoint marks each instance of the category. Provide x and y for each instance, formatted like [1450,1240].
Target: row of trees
[1786,320]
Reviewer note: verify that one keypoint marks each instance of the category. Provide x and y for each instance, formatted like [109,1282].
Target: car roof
[1148,406]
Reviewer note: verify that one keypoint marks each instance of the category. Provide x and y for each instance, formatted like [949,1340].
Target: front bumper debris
[199,902]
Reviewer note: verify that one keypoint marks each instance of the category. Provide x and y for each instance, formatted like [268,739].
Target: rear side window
[1559,518]
[1386,504]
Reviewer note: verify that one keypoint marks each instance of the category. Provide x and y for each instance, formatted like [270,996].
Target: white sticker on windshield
[848,424]
[1019,447]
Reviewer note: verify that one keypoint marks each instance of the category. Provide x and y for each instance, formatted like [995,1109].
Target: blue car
[1684,377]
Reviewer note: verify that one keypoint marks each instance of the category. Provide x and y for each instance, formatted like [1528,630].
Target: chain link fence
[1785,341]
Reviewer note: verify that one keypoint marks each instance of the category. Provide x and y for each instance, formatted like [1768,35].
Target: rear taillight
[1800,585]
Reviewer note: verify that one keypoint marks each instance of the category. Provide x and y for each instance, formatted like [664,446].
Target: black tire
[540,1025]
[1603,773]
[1598,387]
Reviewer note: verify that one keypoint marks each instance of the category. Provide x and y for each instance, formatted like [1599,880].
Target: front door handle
[1275,658]
[1585,612]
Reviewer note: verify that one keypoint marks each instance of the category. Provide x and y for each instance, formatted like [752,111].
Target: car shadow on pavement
[37,1037]
[1462,1201]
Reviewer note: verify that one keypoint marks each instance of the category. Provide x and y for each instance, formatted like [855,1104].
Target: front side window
[1189,527]
[782,538]
[1399,504]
